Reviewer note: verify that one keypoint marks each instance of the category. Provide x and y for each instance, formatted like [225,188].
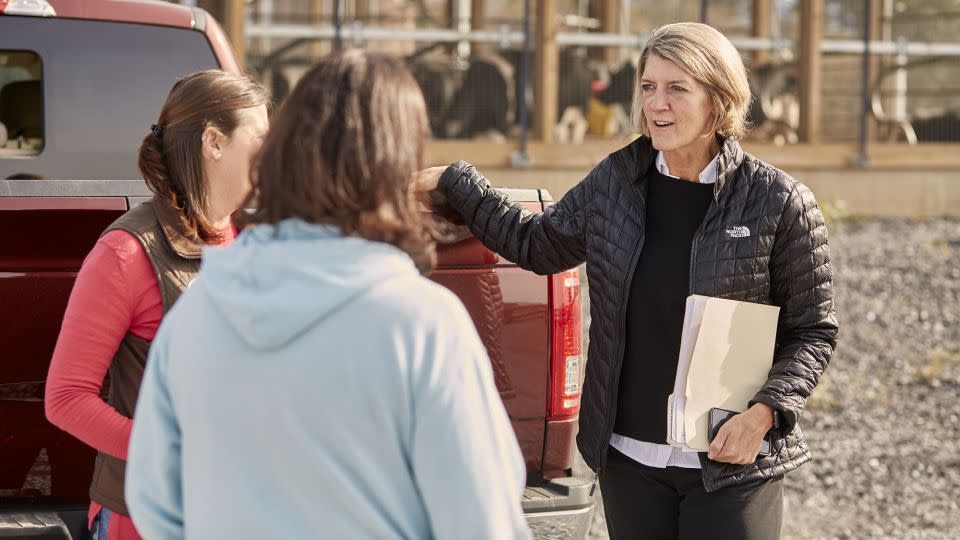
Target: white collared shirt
[654,455]
[707,176]
[647,453]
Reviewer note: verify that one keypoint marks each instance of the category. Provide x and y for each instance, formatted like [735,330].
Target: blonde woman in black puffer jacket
[681,210]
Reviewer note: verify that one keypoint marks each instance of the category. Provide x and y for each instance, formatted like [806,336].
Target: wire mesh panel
[842,74]
[467,58]
[918,98]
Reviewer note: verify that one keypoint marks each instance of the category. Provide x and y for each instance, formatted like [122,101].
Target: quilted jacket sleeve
[802,285]
[545,243]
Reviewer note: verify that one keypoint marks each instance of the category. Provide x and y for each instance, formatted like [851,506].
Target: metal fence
[901,84]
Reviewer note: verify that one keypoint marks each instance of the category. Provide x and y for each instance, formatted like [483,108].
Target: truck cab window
[21,103]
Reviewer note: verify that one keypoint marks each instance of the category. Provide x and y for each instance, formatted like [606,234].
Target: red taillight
[566,356]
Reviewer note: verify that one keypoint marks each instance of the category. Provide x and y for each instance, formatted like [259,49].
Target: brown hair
[170,155]
[705,54]
[342,151]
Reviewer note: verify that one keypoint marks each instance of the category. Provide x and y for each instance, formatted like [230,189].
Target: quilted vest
[176,260]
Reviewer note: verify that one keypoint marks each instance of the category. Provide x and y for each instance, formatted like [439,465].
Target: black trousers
[646,503]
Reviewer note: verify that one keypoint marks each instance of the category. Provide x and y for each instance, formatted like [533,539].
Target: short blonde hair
[705,54]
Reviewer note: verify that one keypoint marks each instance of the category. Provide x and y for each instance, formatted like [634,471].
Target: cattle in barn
[438,77]
[484,103]
[944,127]
[620,88]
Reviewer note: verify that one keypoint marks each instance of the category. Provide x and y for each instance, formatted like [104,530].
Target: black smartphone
[718,417]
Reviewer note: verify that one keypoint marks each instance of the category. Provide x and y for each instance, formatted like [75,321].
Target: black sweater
[655,308]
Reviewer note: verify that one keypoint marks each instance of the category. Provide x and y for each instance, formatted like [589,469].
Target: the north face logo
[738,232]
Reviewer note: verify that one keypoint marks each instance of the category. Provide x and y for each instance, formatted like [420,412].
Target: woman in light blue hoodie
[311,383]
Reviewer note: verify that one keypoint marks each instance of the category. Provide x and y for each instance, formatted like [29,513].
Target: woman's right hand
[428,179]
[425,184]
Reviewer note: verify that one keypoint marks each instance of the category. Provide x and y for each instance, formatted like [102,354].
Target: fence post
[337,26]
[810,75]
[862,159]
[235,13]
[478,21]
[546,78]
[316,12]
[760,23]
[520,158]
[608,11]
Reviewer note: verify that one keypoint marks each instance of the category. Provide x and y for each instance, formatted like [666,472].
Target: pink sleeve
[112,294]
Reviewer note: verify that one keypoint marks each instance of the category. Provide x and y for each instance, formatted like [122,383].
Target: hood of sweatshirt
[277,281]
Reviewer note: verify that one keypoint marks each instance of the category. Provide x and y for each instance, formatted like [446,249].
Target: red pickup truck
[80,82]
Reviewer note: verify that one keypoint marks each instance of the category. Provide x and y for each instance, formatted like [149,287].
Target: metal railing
[506,37]
[359,33]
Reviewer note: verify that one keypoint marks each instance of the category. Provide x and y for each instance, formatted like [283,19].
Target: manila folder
[731,362]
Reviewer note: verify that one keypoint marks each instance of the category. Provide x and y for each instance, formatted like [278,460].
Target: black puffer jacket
[782,259]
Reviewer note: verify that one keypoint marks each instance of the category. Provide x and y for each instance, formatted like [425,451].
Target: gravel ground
[884,424]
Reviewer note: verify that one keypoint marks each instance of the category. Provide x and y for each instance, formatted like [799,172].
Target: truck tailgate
[509,307]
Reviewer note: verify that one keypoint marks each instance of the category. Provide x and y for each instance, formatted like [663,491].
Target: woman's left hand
[738,440]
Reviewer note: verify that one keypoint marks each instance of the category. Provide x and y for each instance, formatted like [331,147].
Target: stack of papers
[726,351]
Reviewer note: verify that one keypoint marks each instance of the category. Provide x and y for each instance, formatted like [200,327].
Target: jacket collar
[731,156]
[171,222]
[640,156]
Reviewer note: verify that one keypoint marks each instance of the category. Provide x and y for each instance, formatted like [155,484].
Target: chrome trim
[74,188]
[199,22]
[550,514]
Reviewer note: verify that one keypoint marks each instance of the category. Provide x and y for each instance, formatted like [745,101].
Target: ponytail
[157,175]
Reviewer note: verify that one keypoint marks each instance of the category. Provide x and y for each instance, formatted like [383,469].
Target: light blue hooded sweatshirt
[310,385]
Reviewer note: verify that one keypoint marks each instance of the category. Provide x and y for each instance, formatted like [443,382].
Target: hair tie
[157,131]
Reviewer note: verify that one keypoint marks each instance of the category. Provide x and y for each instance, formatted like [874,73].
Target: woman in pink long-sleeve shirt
[196,160]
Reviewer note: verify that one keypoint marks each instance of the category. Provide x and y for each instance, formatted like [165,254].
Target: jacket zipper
[693,253]
[714,202]
[708,487]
